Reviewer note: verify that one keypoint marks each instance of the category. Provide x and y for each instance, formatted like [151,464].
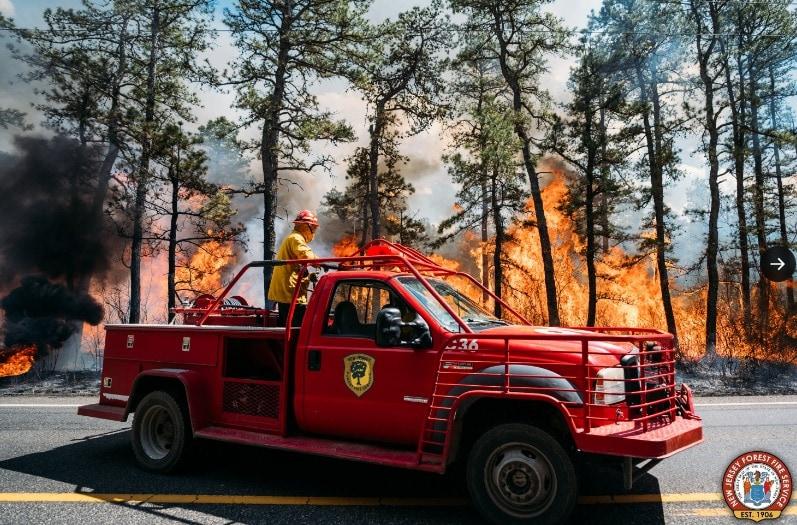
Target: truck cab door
[353,388]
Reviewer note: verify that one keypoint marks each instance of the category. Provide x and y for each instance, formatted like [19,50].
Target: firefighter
[284,278]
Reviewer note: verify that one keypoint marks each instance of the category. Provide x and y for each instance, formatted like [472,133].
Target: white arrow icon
[780,264]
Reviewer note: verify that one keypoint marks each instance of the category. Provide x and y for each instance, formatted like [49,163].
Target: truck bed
[243,370]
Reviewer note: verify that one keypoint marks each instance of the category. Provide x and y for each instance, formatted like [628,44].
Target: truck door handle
[314,360]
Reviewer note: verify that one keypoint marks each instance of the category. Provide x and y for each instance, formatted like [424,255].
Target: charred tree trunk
[174,179]
[539,207]
[376,130]
[534,184]
[653,137]
[498,222]
[589,210]
[143,173]
[603,201]
[758,206]
[738,109]
[364,220]
[705,54]
[485,219]
[784,238]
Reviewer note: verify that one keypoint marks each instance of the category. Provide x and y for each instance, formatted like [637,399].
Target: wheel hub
[521,480]
[157,432]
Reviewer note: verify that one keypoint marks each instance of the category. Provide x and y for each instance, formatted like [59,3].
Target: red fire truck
[394,364]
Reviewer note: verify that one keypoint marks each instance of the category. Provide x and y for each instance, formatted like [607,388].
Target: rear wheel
[520,474]
[161,433]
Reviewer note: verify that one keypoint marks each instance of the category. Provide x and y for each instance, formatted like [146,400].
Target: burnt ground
[723,378]
[80,383]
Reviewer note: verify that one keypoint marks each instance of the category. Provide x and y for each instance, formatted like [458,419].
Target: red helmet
[306,217]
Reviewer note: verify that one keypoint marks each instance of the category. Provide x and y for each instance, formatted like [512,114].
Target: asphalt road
[50,457]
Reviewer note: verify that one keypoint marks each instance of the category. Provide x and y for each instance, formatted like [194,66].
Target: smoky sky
[48,224]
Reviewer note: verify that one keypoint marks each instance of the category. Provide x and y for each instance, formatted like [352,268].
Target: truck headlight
[609,386]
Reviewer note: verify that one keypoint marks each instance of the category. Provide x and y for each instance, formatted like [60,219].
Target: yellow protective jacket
[283,280]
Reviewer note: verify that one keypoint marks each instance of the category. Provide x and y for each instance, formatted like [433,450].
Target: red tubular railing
[649,398]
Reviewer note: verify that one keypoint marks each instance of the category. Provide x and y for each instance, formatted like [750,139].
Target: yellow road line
[233,499]
[651,498]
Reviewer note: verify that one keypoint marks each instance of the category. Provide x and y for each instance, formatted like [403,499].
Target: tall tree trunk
[539,209]
[376,130]
[603,200]
[738,109]
[112,137]
[269,145]
[174,178]
[143,173]
[365,221]
[592,279]
[758,206]
[498,222]
[485,220]
[784,238]
[512,81]
[653,136]
[705,55]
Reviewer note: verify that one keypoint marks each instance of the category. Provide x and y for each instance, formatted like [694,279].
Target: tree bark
[653,136]
[603,200]
[738,109]
[784,238]
[758,206]
[143,173]
[498,222]
[485,219]
[269,145]
[174,178]
[704,55]
[377,129]
[592,279]
[510,77]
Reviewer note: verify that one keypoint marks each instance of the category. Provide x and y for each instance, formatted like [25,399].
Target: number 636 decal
[463,344]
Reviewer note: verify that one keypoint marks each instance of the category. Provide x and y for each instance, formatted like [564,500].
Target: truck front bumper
[630,439]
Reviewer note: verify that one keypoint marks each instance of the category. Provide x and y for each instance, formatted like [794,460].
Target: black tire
[161,432]
[519,474]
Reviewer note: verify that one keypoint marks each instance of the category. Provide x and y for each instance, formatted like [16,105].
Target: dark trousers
[298,314]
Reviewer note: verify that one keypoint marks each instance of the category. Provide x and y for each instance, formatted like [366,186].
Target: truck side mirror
[388,327]
[421,335]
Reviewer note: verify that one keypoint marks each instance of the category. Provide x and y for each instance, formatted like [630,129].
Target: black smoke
[42,313]
[49,224]
[54,237]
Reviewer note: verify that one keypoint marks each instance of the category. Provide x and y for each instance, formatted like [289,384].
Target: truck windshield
[474,315]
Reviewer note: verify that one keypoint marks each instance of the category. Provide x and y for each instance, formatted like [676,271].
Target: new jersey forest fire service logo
[358,373]
[757,486]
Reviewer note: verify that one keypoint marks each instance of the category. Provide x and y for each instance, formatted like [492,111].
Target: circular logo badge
[757,486]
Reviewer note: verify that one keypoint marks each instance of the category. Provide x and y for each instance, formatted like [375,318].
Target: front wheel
[161,434]
[519,474]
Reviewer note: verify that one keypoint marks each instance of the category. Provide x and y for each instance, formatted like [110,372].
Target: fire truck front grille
[251,399]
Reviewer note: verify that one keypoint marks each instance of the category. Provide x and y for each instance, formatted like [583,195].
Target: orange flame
[19,362]
[628,294]
[346,247]
[203,273]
